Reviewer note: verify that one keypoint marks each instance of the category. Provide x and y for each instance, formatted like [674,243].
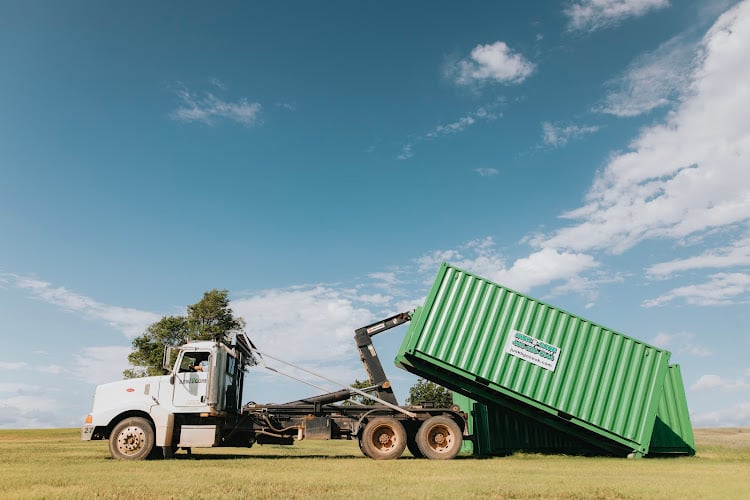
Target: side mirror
[167,361]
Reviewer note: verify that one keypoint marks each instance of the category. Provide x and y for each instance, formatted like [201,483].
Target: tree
[424,390]
[212,319]
[148,348]
[359,384]
[208,319]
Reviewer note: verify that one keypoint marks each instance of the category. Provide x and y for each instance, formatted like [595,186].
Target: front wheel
[439,438]
[383,438]
[131,439]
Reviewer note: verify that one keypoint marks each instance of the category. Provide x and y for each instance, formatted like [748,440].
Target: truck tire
[383,438]
[411,445]
[362,448]
[411,438]
[131,439]
[439,438]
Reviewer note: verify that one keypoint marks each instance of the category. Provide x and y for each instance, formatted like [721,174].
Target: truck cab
[182,409]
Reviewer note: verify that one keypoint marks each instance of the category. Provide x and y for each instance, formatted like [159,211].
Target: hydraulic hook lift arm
[369,357]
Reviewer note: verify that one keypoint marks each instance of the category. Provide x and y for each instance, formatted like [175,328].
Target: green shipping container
[504,348]
[495,430]
[673,433]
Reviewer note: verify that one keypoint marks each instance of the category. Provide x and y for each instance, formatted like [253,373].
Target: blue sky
[320,161]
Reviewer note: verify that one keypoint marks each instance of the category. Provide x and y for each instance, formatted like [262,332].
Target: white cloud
[486,172]
[540,268]
[462,123]
[481,252]
[308,324]
[313,328]
[286,105]
[390,282]
[29,406]
[409,304]
[685,176]
[19,388]
[720,289]
[387,278]
[206,108]
[713,382]
[559,135]
[407,151]
[35,411]
[681,343]
[276,384]
[375,299]
[216,82]
[736,416]
[13,365]
[494,62]
[53,369]
[586,285]
[451,128]
[545,266]
[483,113]
[100,364]
[738,254]
[653,80]
[131,322]
[591,15]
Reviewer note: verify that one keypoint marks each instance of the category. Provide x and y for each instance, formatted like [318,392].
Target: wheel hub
[385,439]
[440,439]
[130,439]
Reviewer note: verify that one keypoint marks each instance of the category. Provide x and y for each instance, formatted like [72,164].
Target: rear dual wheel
[412,446]
[439,438]
[383,438]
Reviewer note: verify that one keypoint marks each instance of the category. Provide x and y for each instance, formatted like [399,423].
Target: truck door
[191,380]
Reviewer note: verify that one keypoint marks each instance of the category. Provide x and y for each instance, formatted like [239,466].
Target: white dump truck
[198,403]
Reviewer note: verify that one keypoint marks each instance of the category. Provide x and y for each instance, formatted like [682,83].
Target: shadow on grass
[194,456]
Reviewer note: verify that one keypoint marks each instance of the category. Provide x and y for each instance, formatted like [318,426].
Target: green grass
[55,464]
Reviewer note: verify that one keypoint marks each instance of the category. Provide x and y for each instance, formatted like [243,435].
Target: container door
[191,380]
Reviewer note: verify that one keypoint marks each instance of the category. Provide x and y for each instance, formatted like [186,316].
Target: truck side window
[201,361]
[194,362]
[188,360]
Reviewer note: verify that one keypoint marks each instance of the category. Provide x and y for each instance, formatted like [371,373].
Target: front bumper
[87,431]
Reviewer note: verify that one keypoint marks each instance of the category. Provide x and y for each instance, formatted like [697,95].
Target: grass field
[55,464]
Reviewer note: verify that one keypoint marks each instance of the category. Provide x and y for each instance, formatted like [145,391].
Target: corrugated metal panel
[502,432]
[499,431]
[603,382]
[673,433]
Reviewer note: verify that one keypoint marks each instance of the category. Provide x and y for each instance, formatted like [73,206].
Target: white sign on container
[532,350]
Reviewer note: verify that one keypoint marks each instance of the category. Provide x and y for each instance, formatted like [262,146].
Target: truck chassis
[383,430]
